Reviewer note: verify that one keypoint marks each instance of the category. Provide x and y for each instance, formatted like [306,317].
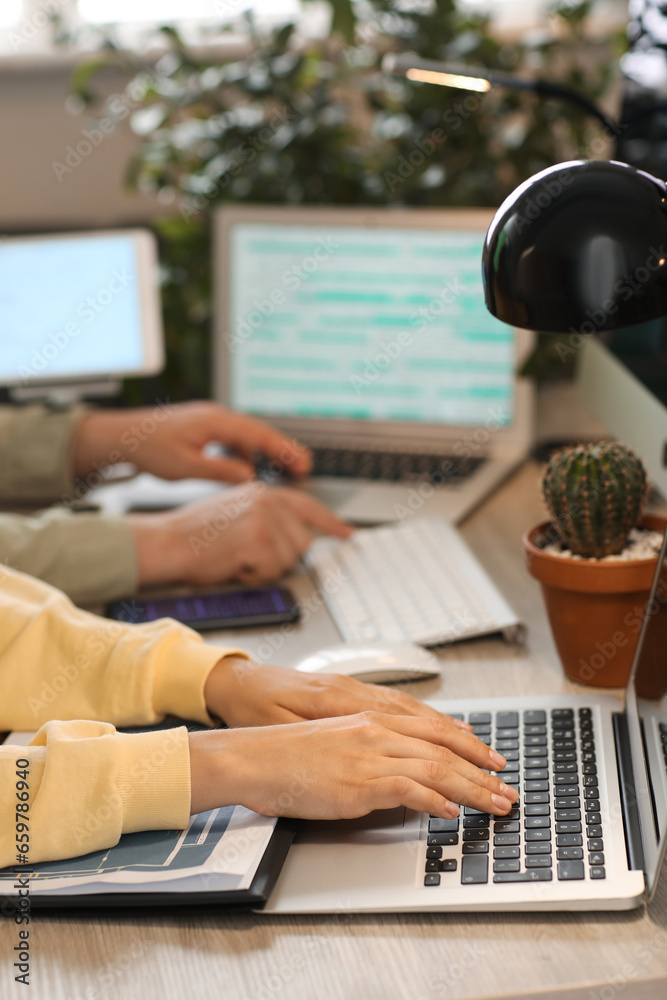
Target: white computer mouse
[380,663]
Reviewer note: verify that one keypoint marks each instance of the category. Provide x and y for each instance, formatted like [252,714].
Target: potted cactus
[595,560]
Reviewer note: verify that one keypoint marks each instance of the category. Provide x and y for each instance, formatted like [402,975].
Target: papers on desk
[220,851]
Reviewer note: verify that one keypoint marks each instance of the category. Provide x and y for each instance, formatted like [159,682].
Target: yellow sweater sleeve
[88,783]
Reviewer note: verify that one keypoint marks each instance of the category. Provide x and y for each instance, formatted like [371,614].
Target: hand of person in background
[169,441]
[252,533]
[346,767]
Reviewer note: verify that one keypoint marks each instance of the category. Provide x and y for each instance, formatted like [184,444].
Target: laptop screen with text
[365,323]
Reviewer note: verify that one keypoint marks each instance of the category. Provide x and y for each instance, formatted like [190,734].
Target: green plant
[315,122]
[595,493]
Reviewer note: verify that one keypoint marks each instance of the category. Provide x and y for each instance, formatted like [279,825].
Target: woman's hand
[347,767]
[245,693]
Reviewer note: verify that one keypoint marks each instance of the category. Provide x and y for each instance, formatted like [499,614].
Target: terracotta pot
[595,608]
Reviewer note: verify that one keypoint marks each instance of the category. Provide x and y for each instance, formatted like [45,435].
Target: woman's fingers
[390,792]
[441,732]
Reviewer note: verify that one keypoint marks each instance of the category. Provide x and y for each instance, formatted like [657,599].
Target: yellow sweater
[87,783]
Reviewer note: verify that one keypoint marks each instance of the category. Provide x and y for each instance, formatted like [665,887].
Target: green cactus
[595,493]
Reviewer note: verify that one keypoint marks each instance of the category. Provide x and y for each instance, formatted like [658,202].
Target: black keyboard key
[571,826]
[595,845]
[507,734]
[449,865]
[570,853]
[596,858]
[537,822]
[444,839]
[533,835]
[469,811]
[514,813]
[433,866]
[506,840]
[506,745]
[536,786]
[474,870]
[570,870]
[511,755]
[562,713]
[479,717]
[585,713]
[592,806]
[535,774]
[594,831]
[534,730]
[476,847]
[506,852]
[534,754]
[565,755]
[507,826]
[456,715]
[537,809]
[480,834]
[433,853]
[594,817]
[475,822]
[590,781]
[565,767]
[534,875]
[567,790]
[564,744]
[442,825]
[539,861]
[511,767]
[564,814]
[536,717]
[569,840]
[544,848]
[564,780]
[507,866]
[597,872]
[569,802]
[530,797]
[589,769]
[535,741]
[507,720]
[432,879]
[591,793]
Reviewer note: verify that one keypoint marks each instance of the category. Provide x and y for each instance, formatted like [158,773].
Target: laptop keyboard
[554,832]
[393,466]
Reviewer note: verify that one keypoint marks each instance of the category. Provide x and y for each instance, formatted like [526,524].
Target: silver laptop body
[379,863]
[353,330]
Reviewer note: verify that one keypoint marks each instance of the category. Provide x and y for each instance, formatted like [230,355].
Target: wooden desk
[345,957]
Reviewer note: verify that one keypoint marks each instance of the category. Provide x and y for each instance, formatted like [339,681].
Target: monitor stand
[64,394]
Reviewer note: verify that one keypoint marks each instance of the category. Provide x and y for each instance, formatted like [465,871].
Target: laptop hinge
[626,780]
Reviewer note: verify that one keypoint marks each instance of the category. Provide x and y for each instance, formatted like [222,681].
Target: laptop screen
[365,322]
[646,711]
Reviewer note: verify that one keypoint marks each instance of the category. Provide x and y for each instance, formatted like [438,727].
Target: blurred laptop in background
[364,334]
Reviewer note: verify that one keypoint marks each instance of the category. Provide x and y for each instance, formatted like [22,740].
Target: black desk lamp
[482,80]
[580,247]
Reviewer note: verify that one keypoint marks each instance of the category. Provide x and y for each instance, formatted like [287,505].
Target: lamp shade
[580,247]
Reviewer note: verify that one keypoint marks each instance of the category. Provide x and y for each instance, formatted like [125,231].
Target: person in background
[51,456]
[310,746]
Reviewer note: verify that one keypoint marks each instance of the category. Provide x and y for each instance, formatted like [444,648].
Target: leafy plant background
[303,121]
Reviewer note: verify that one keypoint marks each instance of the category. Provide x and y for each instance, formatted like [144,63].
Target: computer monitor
[78,311]
[622,376]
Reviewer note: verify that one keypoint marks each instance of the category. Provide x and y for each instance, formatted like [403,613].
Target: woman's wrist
[216,777]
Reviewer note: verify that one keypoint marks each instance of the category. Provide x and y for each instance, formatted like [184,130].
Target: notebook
[589,831]
[363,333]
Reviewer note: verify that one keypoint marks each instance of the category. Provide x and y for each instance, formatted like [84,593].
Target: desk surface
[385,957]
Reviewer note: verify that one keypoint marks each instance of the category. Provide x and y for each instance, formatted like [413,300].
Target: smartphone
[226,609]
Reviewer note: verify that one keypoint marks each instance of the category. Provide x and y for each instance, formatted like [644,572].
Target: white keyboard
[417,582]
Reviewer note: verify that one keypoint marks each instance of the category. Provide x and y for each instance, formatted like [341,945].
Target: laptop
[589,831]
[364,334]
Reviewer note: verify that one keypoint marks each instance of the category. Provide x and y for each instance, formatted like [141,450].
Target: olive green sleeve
[35,453]
[91,557]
